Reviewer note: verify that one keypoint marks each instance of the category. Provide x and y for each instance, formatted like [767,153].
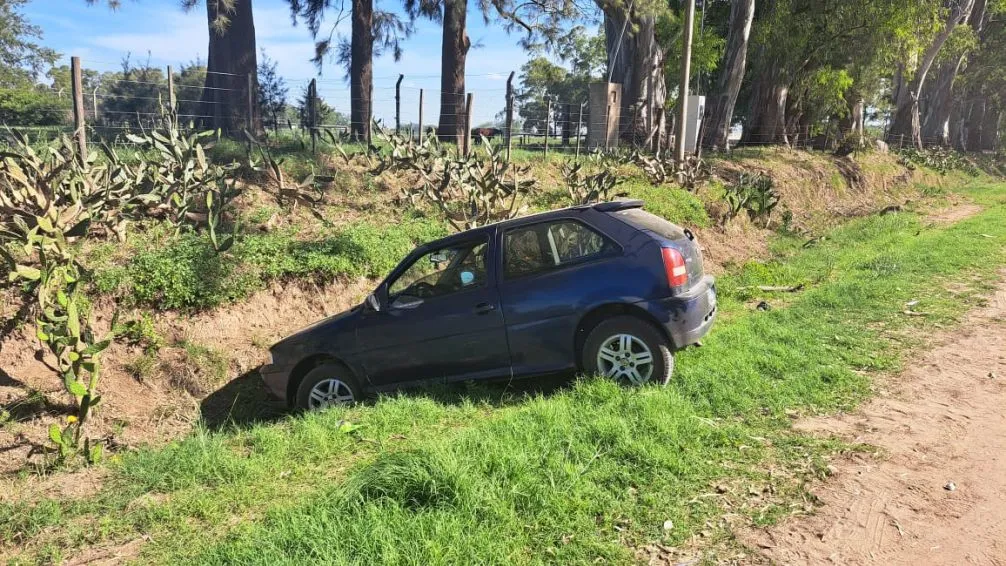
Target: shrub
[754,194]
[941,159]
[584,188]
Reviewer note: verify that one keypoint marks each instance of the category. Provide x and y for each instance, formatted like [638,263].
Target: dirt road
[942,421]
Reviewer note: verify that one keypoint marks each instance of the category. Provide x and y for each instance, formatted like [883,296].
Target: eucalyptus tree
[720,106]
[808,53]
[905,123]
[373,33]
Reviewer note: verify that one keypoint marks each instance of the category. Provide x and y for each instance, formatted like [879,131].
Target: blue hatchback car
[605,289]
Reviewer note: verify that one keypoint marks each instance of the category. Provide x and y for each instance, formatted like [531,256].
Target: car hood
[324,329]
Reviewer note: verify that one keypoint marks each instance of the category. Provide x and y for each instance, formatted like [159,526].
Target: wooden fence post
[398,104]
[420,116]
[579,125]
[312,113]
[509,115]
[468,124]
[80,131]
[548,118]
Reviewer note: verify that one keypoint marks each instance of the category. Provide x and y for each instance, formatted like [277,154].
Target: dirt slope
[943,421]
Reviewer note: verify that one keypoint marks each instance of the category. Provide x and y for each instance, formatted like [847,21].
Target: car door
[549,272]
[442,321]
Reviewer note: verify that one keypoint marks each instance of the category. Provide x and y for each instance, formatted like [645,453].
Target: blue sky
[101,38]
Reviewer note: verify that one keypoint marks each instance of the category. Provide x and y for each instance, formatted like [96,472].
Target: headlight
[268,361]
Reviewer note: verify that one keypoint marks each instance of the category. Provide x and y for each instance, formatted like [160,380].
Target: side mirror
[373,302]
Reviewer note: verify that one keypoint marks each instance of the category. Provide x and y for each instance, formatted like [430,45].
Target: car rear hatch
[670,236]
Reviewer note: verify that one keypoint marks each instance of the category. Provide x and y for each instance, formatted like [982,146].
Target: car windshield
[443,271]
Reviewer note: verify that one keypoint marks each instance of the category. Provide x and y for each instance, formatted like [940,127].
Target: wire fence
[108,105]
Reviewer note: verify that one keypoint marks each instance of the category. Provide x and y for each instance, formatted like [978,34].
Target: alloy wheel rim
[624,356]
[329,392]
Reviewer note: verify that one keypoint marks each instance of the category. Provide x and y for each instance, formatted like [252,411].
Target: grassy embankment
[593,470]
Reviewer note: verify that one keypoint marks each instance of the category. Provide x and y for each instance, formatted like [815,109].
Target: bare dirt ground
[935,493]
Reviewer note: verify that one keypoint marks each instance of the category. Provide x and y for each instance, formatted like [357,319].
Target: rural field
[856,362]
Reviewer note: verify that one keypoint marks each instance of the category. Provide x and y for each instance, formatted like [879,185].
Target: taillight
[674,265]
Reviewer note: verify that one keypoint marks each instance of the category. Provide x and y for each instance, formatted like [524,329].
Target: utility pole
[686,71]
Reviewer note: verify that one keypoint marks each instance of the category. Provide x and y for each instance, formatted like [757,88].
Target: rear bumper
[687,317]
[276,379]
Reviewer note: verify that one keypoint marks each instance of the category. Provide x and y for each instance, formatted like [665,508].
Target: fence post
[80,131]
[398,104]
[579,125]
[370,116]
[548,117]
[172,102]
[509,115]
[567,123]
[94,101]
[312,113]
[468,124]
[420,116]
[251,104]
[607,127]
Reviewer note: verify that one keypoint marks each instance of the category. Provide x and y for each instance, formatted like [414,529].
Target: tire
[604,349]
[327,385]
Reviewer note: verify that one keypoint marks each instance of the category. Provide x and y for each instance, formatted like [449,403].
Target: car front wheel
[628,350]
[327,385]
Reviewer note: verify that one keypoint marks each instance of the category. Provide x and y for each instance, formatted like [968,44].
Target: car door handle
[484,308]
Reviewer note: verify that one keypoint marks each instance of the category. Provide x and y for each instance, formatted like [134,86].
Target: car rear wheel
[628,350]
[328,385]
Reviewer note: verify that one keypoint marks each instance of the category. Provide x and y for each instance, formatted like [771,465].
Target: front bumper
[687,317]
[276,379]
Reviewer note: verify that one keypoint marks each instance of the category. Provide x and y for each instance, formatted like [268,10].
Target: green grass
[184,272]
[587,472]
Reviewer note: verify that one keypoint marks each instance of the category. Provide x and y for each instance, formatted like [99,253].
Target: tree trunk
[939,103]
[974,127]
[230,61]
[720,108]
[452,75]
[636,61]
[940,99]
[906,121]
[361,69]
[767,121]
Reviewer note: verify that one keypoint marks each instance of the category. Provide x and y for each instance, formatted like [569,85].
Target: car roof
[610,206]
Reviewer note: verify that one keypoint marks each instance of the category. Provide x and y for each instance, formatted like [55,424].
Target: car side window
[443,271]
[540,247]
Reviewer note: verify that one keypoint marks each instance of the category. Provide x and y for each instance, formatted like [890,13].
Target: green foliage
[272,90]
[470,191]
[46,200]
[941,159]
[662,168]
[675,204]
[185,273]
[27,106]
[587,188]
[21,58]
[754,194]
[51,197]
